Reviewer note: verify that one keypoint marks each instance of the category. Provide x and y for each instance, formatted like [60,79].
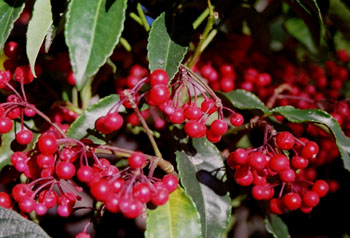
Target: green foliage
[84,125]
[9,12]
[8,139]
[165,48]
[275,226]
[92,30]
[208,192]
[318,116]
[177,218]
[14,225]
[38,27]
[243,99]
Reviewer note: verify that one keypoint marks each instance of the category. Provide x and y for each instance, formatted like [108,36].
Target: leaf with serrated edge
[276,227]
[214,209]
[14,226]
[92,31]
[243,99]
[177,218]
[318,116]
[38,26]
[163,51]
[10,11]
[79,128]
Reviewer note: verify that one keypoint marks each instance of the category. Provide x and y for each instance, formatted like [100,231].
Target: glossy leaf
[297,28]
[85,123]
[243,99]
[164,49]
[311,19]
[14,225]
[92,30]
[207,191]
[9,13]
[8,141]
[275,226]
[177,218]
[38,27]
[339,15]
[318,116]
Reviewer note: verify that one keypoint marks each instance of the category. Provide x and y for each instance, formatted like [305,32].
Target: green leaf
[177,218]
[339,15]
[340,42]
[275,226]
[318,116]
[208,193]
[14,225]
[243,99]
[9,13]
[85,123]
[38,27]
[165,49]
[297,28]
[92,31]
[8,138]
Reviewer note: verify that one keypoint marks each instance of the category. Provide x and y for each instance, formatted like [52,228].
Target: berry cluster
[177,111]
[282,161]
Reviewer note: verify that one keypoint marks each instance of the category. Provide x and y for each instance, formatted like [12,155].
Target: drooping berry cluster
[269,166]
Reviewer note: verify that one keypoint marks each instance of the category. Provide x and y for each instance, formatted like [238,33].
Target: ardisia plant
[152,119]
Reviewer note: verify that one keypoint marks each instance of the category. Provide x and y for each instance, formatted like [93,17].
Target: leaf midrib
[91,43]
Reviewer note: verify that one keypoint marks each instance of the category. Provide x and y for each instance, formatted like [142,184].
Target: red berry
[112,203]
[65,170]
[11,49]
[5,125]
[101,126]
[170,181]
[310,150]
[142,192]
[160,197]
[239,156]
[195,129]
[17,156]
[321,187]
[208,106]
[5,200]
[82,235]
[64,210]
[48,198]
[5,77]
[292,201]
[263,80]
[40,209]
[27,204]
[24,137]
[277,206]
[311,199]
[159,76]
[218,127]
[45,161]
[85,174]
[243,176]
[279,163]
[227,84]
[71,79]
[117,184]
[20,191]
[257,160]
[251,75]
[299,162]
[287,176]
[47,144]
[137,160]
[178,116]
[101,190]
[237,119]
[285,140]
[212,137]
[193,112]
[159,94]
[114,121]
[130,208]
